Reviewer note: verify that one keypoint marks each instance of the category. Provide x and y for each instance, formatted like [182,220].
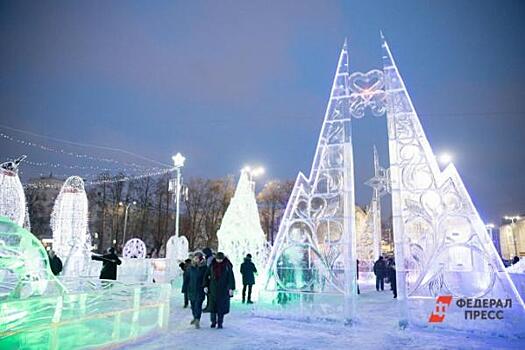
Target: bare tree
[272,204]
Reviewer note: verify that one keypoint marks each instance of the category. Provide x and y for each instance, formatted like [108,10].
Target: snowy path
[377,329]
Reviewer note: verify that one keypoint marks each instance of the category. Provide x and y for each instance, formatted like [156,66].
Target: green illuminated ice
[39,311]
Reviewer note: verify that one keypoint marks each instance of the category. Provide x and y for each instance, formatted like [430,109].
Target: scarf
[219,267]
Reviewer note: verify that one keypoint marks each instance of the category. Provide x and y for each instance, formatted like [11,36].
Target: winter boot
[213,324]
[193,321]
[249,302]
[197,324]
[219,326]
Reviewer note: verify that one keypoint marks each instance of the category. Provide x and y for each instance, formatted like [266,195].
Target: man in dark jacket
[379,271]
[54,262]
[109,264]
[219,283]
[248,272]
[194,286]
[185,271]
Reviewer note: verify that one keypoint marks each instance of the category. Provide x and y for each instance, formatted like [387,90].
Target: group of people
[385,269]
[210,276]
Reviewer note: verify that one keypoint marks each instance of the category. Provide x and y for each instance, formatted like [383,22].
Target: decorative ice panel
[312,267]
[442,247]
[12,197]
[69,222]
[134,248]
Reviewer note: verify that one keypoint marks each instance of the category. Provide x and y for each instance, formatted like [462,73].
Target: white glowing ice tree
[12,197]
[241,232]
[442,247]
[69,222]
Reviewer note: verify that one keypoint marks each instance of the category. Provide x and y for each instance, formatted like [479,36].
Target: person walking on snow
[248,271]
[208,256]
[194,288]
[219,284]
[379,271]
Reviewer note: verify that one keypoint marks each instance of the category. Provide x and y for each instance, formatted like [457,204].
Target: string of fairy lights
[62,151]
[99,175]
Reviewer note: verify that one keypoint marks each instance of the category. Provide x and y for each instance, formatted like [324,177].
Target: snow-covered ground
[376,329]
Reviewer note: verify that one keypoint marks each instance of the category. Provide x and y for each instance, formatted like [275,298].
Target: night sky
[233,83]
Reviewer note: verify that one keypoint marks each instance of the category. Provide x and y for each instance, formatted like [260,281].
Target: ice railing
[90,313]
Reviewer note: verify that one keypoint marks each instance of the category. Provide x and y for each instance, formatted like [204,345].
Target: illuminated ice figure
[441,244]
[312,267]
[241,232]
[69,222]
[12,197]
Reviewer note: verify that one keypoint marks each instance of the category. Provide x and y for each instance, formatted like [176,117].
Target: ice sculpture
[380,184]
[241,232]
[12,197]
[442,247]
[177,248]
[364,243]
[134,248]
[312,265]
[69,222]
[39,312]
[24,264]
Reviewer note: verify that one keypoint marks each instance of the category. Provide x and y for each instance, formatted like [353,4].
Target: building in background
[512,237]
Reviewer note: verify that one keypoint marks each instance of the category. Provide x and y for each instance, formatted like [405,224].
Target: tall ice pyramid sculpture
[312,267]
[442,248]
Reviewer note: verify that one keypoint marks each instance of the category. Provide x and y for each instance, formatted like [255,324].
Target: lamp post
[126,219]
[178,163]
[513,220]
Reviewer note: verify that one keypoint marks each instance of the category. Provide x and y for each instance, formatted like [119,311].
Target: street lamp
[513,220]
[445,158]
[126,219]
[178,163]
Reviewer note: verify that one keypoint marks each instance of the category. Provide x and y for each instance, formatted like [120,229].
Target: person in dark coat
[54,262]
[219,283]
[248,271]
[195,289]
[109,264]
[185,277]
[392,277]
[380,271]
[208,255]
